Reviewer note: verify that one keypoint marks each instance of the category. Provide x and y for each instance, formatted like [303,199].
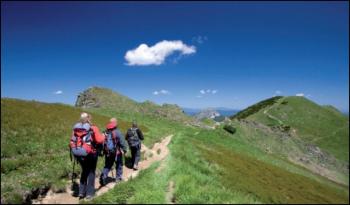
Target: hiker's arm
[139,133]
[98,137]
[122,141]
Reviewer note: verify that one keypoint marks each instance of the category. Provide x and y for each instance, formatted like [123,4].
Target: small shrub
[286,128]
[230,129]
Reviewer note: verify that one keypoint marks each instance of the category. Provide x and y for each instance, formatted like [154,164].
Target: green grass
[210,167]
[195,180]
[208,121]
[216,167]
[268,183]
[314,124]
[148,187]
[255,108]
[34,145]
[107,98]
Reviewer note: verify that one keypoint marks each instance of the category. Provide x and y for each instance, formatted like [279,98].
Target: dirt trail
[272,117]
[158,152]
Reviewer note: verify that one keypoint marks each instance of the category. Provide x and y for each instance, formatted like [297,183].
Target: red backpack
[81,141]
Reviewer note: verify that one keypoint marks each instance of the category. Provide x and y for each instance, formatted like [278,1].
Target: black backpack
[133,137]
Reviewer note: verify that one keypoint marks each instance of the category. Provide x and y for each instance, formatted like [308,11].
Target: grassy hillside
[205,166]
[255,108]
[96,97]
[34,146]
[325,127]
[216,167]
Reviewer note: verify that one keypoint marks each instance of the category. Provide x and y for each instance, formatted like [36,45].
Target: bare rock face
[87,99]
[207,113]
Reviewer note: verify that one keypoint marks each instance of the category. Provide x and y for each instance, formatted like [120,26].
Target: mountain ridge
[98,97]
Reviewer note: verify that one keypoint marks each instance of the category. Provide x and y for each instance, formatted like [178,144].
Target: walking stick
[72,159]
[73,171]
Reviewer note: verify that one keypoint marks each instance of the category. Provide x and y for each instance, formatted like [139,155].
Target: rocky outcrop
[207,113]
[87,99]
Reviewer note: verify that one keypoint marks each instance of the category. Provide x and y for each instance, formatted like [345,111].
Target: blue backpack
[111,140]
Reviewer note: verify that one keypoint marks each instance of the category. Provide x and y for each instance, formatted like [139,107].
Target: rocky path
[158,152]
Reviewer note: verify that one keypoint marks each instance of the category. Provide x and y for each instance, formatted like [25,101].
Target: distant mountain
[221,110]
[191,111]
[207,113]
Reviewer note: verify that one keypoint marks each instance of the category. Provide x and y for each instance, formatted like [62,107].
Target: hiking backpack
[111,140]
[81,141]
[133,138]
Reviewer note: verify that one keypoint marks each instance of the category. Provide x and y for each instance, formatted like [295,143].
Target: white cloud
[208,91]
[299,94]
[199,39]
[165,92]
[161,92]
[58,92]
[155,55]
[278,92]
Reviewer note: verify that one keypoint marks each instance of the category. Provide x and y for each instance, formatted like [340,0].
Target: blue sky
[246,52]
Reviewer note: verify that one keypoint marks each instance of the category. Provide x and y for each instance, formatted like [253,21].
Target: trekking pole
[72,159]
[70,154]
[73,171]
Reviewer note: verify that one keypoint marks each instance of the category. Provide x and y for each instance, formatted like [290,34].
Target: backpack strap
[114,135]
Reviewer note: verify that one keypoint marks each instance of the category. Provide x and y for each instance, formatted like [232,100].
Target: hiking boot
[102,181]
[81,196]
[117,180]
[135,167]
[88,197]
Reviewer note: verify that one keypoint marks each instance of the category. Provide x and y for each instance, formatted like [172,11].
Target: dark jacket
[131,140]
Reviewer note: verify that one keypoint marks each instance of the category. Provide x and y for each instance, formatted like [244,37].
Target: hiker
[83,143]
[134,136]
[114,149]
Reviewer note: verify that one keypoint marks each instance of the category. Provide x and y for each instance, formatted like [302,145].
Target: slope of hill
[96,97]
[34,147]
[302,131]
[315,124]
[203,166]
[214,167]
[255,108]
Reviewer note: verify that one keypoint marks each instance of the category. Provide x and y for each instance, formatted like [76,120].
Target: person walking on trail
[84,140]
[114,149]
[134,136]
